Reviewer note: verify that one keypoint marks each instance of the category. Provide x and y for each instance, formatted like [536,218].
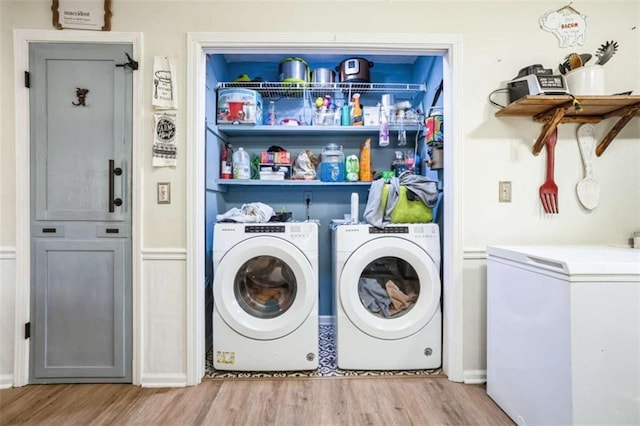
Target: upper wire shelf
[279,90]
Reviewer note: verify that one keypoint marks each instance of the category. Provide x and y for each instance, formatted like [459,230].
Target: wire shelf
[280,90]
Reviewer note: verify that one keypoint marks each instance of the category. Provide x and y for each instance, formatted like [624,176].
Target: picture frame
[92,15]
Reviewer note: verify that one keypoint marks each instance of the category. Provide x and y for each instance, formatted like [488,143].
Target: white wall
[499,38]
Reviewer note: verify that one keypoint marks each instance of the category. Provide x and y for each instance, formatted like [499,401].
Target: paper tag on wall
[164,95]
[164,139]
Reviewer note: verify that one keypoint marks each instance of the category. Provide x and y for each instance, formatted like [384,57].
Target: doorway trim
[448,46]
[21,41]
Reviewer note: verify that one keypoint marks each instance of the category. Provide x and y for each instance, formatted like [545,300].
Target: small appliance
[536,80]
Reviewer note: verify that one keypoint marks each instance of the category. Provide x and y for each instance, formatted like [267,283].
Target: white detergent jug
[241,164]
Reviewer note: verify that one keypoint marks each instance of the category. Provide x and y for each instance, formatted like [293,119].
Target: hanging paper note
[567,24]
[164,139]
[164,83]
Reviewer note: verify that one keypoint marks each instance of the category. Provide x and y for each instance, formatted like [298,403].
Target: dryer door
[264,288]
[390,288]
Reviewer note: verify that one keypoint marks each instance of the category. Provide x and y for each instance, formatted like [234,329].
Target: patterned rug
[327,365]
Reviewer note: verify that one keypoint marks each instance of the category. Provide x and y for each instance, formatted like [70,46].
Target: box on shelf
[271,175]
[239,106]
[271,170]
[282,157]
[371,116]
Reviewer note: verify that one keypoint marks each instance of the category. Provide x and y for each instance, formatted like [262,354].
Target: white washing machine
[265,291]
[387,296]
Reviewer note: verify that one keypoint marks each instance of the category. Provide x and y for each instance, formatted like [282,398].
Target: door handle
[113,172]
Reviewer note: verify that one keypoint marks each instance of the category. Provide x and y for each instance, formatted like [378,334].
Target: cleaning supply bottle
[352,168]
[226,162]
[272,120]
[356,111]
[241,164]
[365,161]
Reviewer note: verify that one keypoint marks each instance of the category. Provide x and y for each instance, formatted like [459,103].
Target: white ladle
[588,189]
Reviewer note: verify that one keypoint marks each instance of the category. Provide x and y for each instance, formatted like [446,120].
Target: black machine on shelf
[536,80]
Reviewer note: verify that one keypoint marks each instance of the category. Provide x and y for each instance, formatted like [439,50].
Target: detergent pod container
[332,165]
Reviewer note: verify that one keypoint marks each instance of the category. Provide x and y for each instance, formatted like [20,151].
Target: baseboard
[6,381]
[474,377]
[163,381]
[326,320]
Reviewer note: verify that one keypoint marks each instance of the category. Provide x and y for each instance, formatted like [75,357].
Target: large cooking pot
[294,70]
[355,70]
[323,75]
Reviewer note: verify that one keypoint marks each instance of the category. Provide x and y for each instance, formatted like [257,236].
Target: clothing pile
[248,213]
[379,209]
[388,300]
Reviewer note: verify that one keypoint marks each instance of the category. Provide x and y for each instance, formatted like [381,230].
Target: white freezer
[563,334]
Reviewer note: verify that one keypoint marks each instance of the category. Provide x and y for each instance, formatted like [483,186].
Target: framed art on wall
[82,14]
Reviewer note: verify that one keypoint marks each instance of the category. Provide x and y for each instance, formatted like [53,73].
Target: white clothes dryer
[387,296]
[265,291]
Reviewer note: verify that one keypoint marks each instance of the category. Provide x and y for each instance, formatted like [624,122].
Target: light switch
[164,193]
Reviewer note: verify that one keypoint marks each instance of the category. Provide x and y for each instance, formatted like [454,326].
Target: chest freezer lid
[573,260]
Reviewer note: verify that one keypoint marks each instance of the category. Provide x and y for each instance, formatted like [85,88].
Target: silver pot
[323,75]
[294,70]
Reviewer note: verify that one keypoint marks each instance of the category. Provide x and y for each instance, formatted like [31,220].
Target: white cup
[587,80]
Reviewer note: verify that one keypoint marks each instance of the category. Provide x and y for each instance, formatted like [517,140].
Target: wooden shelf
[553,110]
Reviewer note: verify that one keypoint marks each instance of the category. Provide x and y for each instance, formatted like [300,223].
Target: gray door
[81,133]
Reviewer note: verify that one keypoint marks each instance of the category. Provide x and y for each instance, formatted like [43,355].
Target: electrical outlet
[307,196]
[504,191]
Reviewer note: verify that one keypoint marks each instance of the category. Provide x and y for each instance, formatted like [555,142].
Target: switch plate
[504,191]
[164,193]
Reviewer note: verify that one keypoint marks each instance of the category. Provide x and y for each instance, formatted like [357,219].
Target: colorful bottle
[352,168]
[272,121]
[226,162]
[365,161]
[356,111]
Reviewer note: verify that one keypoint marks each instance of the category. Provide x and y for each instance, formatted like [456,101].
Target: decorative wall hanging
[82,14]
[567,24]
[164,139]
[81,94]
[164,94]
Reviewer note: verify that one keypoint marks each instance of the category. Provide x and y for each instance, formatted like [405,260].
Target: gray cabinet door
[80,104]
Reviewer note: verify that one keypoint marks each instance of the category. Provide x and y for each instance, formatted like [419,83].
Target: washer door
[393,272]
[264,288]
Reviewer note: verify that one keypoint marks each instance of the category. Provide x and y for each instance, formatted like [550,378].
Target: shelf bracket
[549,127]
[609,137]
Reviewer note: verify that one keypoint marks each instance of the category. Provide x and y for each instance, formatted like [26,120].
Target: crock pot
[294,70]
[355,70]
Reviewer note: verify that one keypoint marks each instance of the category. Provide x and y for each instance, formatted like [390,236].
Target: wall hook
[81,94]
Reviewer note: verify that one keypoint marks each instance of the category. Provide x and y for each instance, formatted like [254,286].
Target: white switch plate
[164,193]
[504,191]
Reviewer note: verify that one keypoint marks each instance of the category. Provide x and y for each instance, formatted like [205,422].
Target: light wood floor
[315,401]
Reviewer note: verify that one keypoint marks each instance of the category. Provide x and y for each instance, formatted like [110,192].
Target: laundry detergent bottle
[332,165]
[241,164]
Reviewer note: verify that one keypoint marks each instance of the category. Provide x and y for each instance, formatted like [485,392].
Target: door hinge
[27,79]
[27,330]
[130,63]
